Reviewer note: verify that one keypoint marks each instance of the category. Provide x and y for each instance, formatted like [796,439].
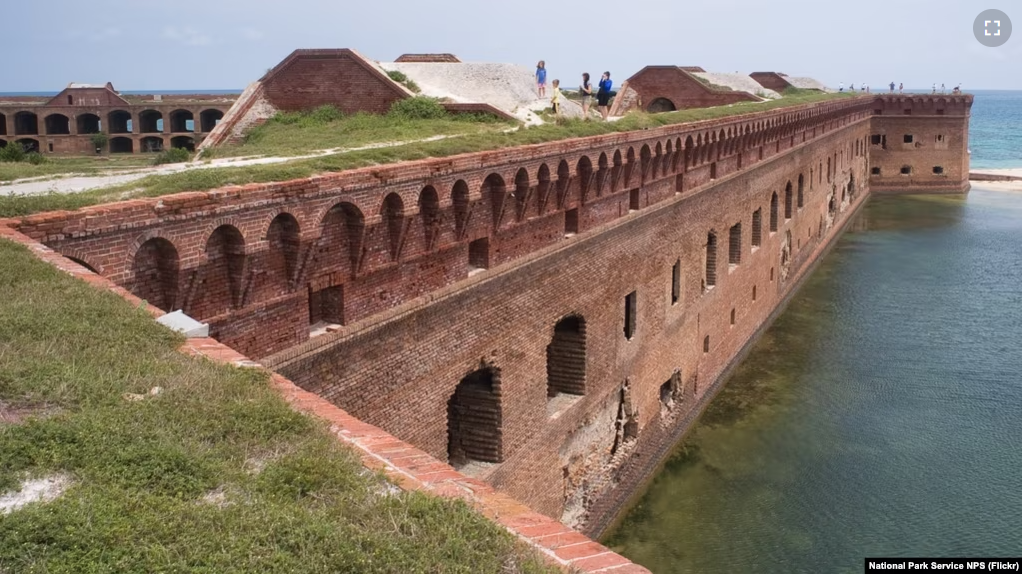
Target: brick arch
[520,192]
[221,277]
[460,205]
[566,357]
[630,165]
[251,243]
[154,272]
[283,241]
[494,191]
[584,173]
[392,211]
[564,178]
[601,176]
[430,212]
[688,152]
[82,259]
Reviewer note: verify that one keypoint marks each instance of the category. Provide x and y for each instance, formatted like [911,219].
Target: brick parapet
[409,468]
[355,183]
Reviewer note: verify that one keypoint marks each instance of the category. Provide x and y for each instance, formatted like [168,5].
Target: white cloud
[186,36]
[252,34]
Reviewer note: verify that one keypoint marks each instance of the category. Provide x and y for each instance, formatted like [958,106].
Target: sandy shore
[1015,186]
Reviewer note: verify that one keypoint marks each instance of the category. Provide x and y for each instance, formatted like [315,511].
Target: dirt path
[72,183]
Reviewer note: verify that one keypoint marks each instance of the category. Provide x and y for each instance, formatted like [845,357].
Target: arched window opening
[660,105]
[26,124]
[119,122]
[225,263]
[208,119]
[88,124]
[150,121]
[460,205]
[474,419]
[182,121]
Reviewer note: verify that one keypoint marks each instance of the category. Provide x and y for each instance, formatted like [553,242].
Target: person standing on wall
[604,94]
[900,87]
[541,79]
[891,88]
[841,87]
[556,98]
[586,91]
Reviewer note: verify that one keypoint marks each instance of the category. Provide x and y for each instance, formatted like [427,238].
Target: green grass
[488,139]
[296,133]
[57,165]
[140,470]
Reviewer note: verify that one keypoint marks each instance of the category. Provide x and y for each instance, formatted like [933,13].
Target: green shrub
[35,158]
[172,155]
[99,139]
[12,152]
[404,80]
[418,108]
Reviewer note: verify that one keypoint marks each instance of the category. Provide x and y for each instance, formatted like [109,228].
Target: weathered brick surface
[679,87]
[567,228]
[341,78]
[408,467]
[938,126]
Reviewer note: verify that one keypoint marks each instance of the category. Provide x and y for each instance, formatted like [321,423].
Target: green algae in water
[877,416]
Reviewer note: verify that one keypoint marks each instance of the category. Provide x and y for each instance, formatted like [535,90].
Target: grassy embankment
[291,136]
[213,474]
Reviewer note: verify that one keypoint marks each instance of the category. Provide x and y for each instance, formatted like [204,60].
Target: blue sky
[225,44]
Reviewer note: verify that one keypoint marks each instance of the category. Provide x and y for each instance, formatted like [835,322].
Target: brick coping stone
[408,467]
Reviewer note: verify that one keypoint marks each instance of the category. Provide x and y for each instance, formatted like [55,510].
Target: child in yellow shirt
[556,97]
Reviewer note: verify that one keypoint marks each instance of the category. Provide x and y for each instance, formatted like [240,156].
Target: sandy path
[77,183]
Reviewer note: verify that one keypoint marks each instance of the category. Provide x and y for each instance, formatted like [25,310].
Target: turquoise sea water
[995,130]
[879,416]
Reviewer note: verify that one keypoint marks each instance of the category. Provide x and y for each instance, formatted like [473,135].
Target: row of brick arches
[117,122]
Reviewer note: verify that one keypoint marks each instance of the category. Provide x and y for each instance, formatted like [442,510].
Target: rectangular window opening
[875,171]
[326,308]
[630,315]
[938,170]
[906,170]
[907,138]
[634,200]
[735,245]
[572,221]
[676,281]
[479,254]
[875,139]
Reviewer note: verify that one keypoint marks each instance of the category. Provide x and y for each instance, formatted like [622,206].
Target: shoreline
[1010,186]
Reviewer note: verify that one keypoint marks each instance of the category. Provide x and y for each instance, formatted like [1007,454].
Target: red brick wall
[312,78]
[682,89]
[416,322]
[940,137]
[771,81]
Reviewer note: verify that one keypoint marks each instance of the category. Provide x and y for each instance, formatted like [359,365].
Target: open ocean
[880,414]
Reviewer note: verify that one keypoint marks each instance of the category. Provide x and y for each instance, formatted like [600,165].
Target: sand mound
[506,86]
[807,84]
[739,83]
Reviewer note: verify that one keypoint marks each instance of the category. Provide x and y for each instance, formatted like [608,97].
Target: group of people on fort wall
[891,88]
[586,92]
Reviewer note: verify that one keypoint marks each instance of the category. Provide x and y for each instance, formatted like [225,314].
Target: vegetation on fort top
[286,135]
[215,473]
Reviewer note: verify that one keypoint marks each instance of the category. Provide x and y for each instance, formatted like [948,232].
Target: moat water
[878,416]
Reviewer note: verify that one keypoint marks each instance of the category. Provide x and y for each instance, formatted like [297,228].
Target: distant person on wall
[934,88]
[586,91]
[900,87]
[943,89]
[541,79]
[841,87]
[604,94]
[556,98]
[891,88]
